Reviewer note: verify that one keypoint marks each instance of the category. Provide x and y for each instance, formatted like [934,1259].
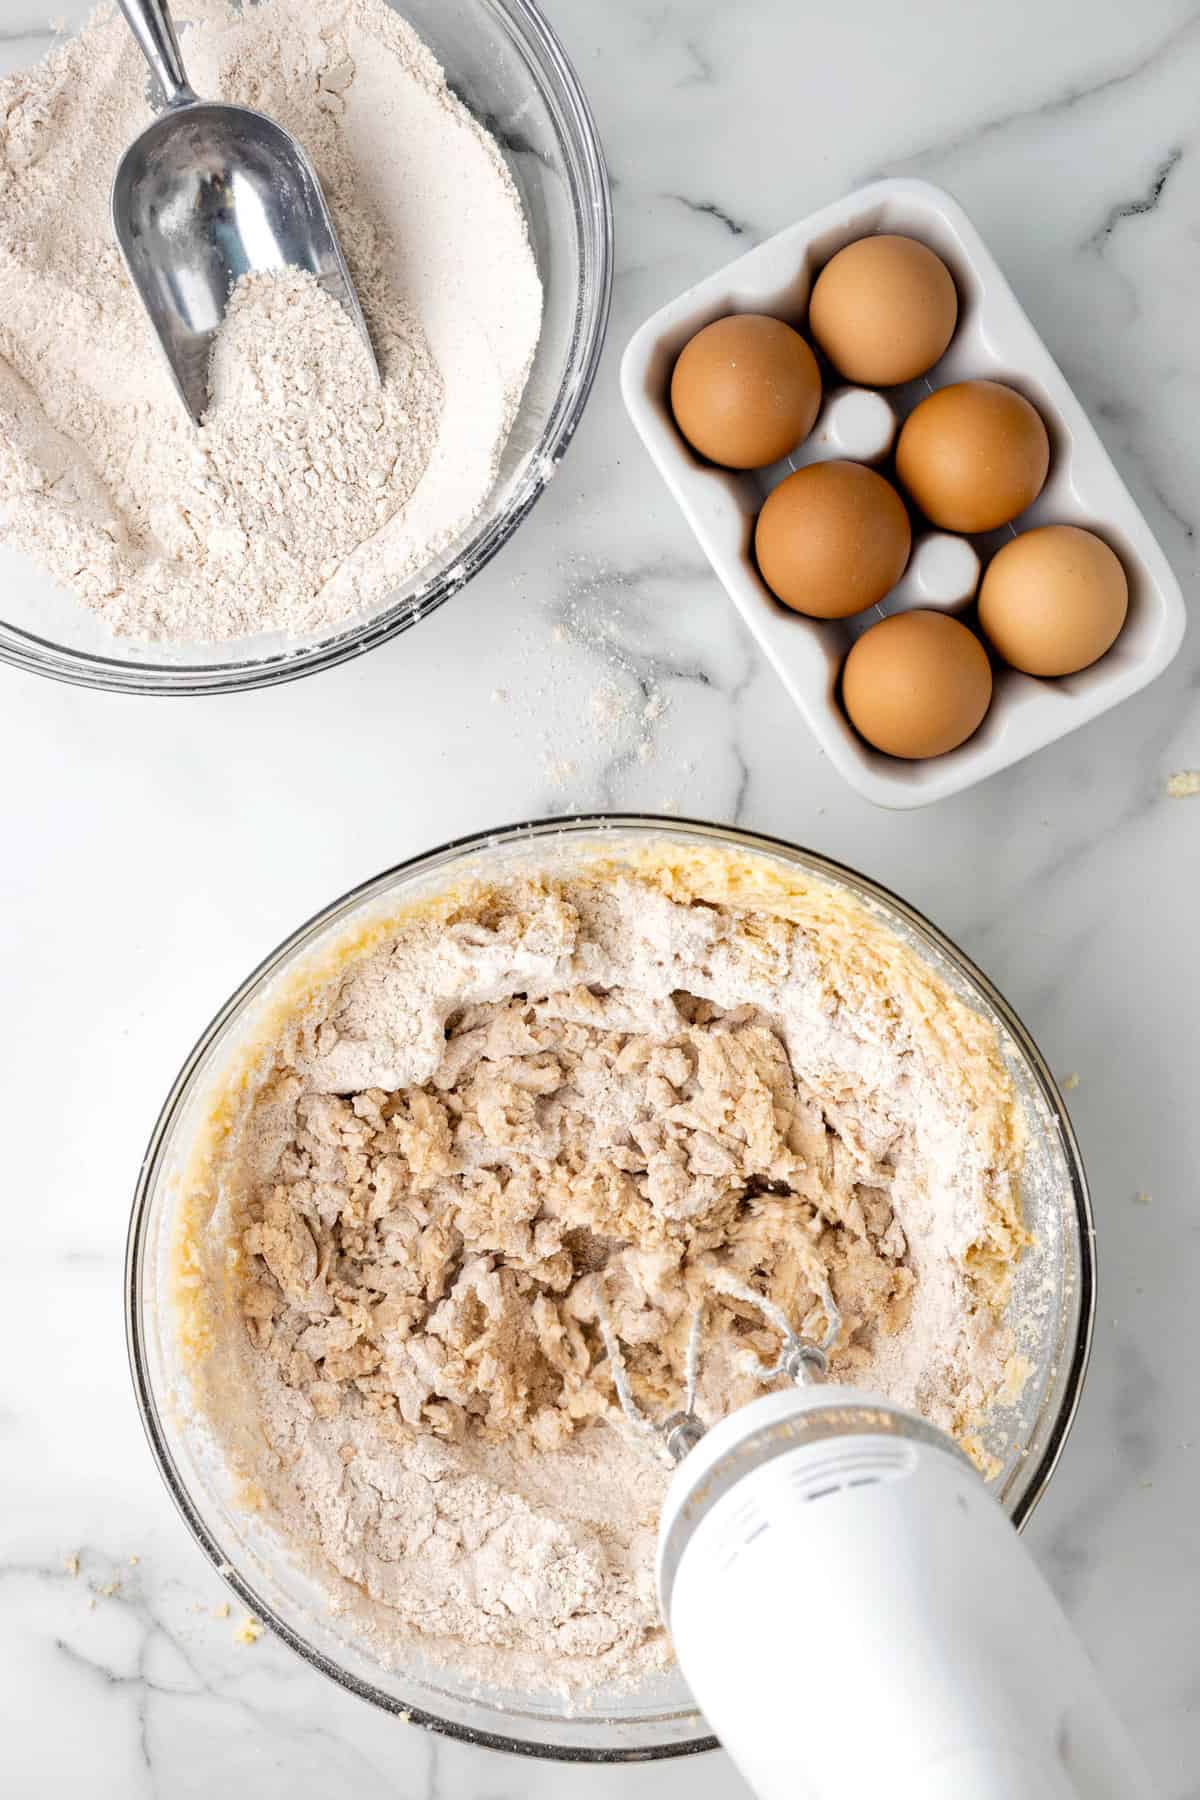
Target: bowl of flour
[519,1099]
[315,512]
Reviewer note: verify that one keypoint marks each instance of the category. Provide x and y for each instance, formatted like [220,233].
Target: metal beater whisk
[801,1359]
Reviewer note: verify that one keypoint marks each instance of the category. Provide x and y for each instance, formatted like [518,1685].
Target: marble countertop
[154,851]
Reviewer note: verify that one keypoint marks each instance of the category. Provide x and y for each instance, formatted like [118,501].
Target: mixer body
[856,1617]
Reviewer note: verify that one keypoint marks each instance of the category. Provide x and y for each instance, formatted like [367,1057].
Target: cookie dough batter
[614,1087]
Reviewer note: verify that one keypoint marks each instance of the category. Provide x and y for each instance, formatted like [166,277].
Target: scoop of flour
[301,456]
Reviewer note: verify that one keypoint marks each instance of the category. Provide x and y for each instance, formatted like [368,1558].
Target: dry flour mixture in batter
[615,1087]
[310,492]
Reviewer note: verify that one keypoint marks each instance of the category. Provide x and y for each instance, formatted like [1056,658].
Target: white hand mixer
[852,1610]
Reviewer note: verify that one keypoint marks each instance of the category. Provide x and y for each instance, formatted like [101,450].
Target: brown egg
[917,684]
[745,390]
[973,455]
[832,539]
[1053,600]
[883,310]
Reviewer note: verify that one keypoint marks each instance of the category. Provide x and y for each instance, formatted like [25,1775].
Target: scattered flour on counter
[583,734]
[309,494]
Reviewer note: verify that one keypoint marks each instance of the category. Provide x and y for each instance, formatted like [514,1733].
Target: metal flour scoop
[205,194]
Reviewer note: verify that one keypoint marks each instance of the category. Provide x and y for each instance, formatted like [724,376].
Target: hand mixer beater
[851,1608]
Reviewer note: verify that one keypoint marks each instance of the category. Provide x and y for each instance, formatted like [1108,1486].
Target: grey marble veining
[596,662]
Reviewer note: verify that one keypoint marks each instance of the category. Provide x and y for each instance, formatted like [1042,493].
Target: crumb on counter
[71,1563]
[1183,784]
[1070,1083]
[1142,1198]
[607,704]
[249,1631]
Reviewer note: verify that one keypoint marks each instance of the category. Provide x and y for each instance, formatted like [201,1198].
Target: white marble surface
[153,851]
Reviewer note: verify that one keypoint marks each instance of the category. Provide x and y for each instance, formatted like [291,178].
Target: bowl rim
[530,832]
[592,205]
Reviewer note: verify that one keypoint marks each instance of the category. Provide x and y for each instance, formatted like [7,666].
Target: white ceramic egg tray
[994,339]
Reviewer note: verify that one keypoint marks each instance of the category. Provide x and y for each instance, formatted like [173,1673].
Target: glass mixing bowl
[1051,1309]
[504,62]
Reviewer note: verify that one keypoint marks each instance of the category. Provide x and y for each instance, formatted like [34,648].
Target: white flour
[564,1078]
[310,493]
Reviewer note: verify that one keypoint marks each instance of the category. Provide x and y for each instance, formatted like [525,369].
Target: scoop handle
[151,24]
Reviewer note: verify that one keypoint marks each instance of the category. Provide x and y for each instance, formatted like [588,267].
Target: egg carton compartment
[994,340]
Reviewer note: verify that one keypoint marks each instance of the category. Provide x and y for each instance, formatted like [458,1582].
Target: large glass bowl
[504,62]
[1051,1310]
